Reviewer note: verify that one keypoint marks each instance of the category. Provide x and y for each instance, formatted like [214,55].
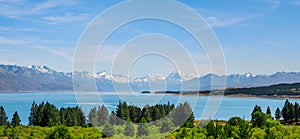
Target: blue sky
[257,36]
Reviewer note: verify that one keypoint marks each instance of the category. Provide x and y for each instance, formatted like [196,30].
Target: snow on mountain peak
[249,75]
[43,69]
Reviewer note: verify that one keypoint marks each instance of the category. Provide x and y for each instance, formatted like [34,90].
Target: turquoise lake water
[229,106]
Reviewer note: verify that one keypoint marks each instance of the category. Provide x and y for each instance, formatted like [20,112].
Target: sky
[257,36]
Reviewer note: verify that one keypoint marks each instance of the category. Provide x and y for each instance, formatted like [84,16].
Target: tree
[235,121]
[103,115]
[3,117]
[277,114]
[189,123]
[60,132]
[129,129]
[108,130]
[256,108]
[122,111]
[259,119]
[16,121]
[93,117]
[245,131]
[296,112]
[113,119]
[143,128]
[31,116]
[210,128]
[166,126]
[268,111]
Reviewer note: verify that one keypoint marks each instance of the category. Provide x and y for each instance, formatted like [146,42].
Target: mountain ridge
[14,78]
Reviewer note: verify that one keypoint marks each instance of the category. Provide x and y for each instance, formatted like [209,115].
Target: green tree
[108,130]
[3,117]
[268,111]
[210,128]
[93,117]
[143,128]
[103,116]
[235,121]
[31,116]
[296,112]
[189,123]
[277,114]
[60,132]
[122,112]
[245,131]
[16,121]
[259,119]
[256,108]
[146,113]
[166,126]
[129,129]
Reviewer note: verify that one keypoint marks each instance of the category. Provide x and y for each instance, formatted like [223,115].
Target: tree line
[46,114]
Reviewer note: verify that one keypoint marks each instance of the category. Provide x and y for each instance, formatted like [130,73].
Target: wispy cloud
[273,3]
[67,18]
[51,4]
[63,52]
[7,41]
[20,8]
[218,20]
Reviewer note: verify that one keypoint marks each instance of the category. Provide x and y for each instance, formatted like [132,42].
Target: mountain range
[15,78]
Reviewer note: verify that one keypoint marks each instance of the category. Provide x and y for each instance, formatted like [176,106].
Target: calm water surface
[229,107]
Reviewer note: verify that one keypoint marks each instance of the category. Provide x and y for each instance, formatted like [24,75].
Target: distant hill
[15,78]
[273,90]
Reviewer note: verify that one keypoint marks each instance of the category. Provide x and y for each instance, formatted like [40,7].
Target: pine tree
[189,123]
[268,111]
[3,117]
[113,119]
[102,115]
[16,121]
[143,128]
[129,129]
[93,117]
[108,130]
[296,112]
[277,114]
[80,117]
[31,116]
[122,112]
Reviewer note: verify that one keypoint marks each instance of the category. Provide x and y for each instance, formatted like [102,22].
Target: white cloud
[63,52]
[6,41]
[20,8]
[67,18]
[225,21]
[51,4]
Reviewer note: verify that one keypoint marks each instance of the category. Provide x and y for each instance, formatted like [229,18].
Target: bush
[60,132]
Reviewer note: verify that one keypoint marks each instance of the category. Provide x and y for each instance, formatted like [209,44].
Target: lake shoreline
[240,95]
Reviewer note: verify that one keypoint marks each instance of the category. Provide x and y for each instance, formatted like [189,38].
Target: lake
[229,106]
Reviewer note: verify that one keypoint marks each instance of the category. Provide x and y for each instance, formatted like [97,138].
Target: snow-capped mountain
[15,78]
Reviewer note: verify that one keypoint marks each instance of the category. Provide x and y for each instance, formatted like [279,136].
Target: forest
[157,121]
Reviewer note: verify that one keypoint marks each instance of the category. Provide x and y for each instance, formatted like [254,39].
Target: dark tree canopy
[16,121]
[3,117]
[277,114]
